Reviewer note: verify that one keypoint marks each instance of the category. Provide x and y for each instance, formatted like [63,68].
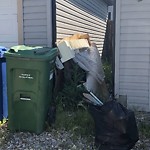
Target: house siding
[74,16]
[133,52]
[8,23]
[35,22]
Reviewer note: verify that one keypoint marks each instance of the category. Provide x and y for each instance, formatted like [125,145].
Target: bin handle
[24,97]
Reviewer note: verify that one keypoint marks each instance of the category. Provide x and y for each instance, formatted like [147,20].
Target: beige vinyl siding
[35,22]
[134,53]
[73,16]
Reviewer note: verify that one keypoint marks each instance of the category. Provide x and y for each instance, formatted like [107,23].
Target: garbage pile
[115,126]
[86,55]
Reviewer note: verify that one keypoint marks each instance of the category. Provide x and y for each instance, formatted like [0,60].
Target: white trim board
[117,48]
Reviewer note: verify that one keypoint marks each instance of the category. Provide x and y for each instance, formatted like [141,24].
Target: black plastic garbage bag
[115,126]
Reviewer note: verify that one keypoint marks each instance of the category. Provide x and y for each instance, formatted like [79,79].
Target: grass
[3,122]
[144,129]
[79,122]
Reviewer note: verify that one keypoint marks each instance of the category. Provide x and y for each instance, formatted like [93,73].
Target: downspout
[54,34]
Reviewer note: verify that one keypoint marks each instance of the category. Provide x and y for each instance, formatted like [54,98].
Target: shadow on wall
[107,52]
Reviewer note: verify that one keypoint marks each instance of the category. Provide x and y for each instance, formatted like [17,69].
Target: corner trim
[54,30]
[49,23]
[117,48]
[20,21]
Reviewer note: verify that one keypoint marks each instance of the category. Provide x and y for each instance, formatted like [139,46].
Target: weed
[3,134]
[108,75]
[71,95]
[144,129]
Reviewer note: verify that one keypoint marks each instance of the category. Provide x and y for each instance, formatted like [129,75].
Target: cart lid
[37,52]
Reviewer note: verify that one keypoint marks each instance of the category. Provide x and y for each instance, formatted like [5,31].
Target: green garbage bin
[29,86]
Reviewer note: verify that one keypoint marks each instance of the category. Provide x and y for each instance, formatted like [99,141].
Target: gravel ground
[144,142]
[52,140]
[59,140]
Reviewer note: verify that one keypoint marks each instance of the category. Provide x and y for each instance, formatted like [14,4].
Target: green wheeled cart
[29,86]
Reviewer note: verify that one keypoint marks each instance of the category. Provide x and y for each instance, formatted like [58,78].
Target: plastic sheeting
[89,60]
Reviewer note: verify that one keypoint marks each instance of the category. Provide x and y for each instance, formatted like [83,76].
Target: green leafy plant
[108,75]
[71,95]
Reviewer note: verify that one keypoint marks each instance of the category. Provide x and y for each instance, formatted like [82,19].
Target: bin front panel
[28,89]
